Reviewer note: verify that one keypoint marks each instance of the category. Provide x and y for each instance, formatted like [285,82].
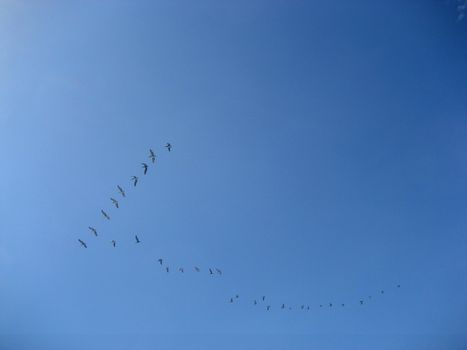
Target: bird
[302,307]
[342,305]
[382,292]
[82,243]
[398,286]
[122,192]
[231,300]
[308,308]
[160,261]
[105,214]
[152,155]
[361,302]
[255,302]
[268,307]
[115,202]
[321,305]
[264,297]
[236,296]
[181,269]
[114,243]
[135,180]
[137,239]
[218,271]
[330,304]
[196,268]
[210,272]
[93,230]
[283,306]
[145,167]
[167,269]
[168,146]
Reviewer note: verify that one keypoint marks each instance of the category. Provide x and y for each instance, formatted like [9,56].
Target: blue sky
[319,155]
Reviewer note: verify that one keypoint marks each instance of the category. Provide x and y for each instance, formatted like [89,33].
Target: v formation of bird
[216,271]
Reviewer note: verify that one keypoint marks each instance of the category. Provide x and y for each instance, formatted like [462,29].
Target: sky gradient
[319,155]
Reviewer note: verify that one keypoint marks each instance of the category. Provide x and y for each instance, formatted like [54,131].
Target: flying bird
[168,146]
[302,307]
[122,192]
[181,269]
[105,214]
[308,308]
[167,269]
[236,296]
[283,306]
[343,305]
[398,286]
[93,230]
[264,297]
[255,302]
[196,268]
[268,307]
[361,302]
[137,239]
[231,300]
[114,243]
[135,180]
[152,155]
[210,272]
[160,261]
[218,271]
[330,304]
[145,167]
[115,202]
[82,243]
[382,292]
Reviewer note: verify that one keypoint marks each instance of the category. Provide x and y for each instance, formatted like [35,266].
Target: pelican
[152,155]
[145,167]
[168,146]
[82,243]
[105,214]
[122,192]
[135,180]
[93,230]
[115,202]
[114,243]
[137,239]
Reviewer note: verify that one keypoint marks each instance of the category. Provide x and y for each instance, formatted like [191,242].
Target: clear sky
[319,156]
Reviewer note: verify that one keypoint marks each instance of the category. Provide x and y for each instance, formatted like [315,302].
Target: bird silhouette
[210,272]
[152,155]
[264,297]
[283,306]
[343,305]
[181,269]
[268,307]
[82,243]
[93,230]
[255,302]
[168,146]
[105,214]
[308,308]
[145,167]
[382,292]
[137,239]
[115,202]
[231,300]
[218,271]
[398,286]
[236,296]
[197,269]
[330,304]
[167,269]
[122,192]
[135,180]
[114,243]
[302,307]
[361,302]
[160,261]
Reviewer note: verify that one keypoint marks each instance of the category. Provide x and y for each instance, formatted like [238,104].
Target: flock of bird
[134,181]
[261,302]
